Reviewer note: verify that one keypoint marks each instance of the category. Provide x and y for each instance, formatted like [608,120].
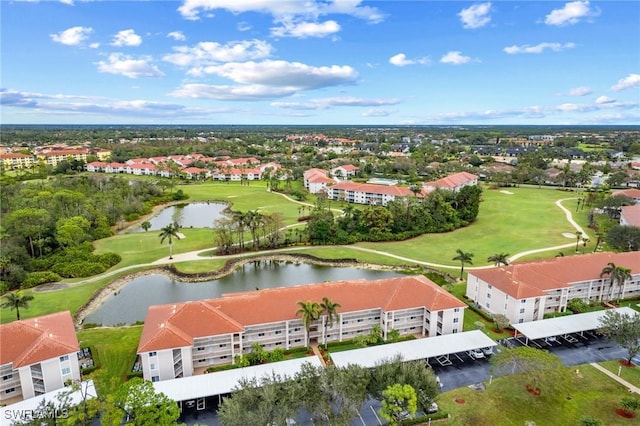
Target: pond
[192,215]
[131,302]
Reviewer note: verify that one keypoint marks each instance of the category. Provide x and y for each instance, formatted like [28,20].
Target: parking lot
[462,369]
[573,350]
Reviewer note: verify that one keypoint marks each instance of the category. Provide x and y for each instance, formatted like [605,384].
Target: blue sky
[320,62]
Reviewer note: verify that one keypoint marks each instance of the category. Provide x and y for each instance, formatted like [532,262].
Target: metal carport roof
[223,382]
[561,326]
[411,350]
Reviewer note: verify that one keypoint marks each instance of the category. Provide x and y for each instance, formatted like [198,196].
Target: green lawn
[114,350]
[506,402]
[524,220]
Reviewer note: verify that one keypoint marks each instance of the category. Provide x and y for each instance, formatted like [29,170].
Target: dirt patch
[459,401]
[624,413]
[533,391]
[625,363]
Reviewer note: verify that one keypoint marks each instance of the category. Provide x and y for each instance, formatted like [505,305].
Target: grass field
[506,402]
[114,351]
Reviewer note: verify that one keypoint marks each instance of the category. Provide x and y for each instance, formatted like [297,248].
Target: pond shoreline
[230,266]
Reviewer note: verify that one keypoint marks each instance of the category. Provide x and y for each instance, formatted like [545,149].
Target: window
[455,320]
[224,357]
[412,317]
[521,320]
[297,341]
[376,318]
[489,287]
[222,345]
[456,310]
[488,295]
[10,390]
[152,366]
[64,358]
[202,349]
[522,311]
[360,319]
[260,334]
[278,331]
[155,378]
[153,354]
[66,371]
[7,377]
[523,301]
[488,305]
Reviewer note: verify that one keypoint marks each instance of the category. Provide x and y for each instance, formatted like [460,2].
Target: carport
[564,326]
[193,390]
[438,347]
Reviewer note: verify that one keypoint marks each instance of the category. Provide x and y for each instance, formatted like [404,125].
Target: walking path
[623,382]
[316,351]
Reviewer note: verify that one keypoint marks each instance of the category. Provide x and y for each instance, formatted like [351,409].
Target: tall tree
[617,275]
[309,311]
[137,401]
[396,401]
[463,258]
[16,300]
[624,329]
[168,233]
[499,259]
[330,309]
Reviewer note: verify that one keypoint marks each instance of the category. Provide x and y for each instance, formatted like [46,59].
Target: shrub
[88,325]
[36,278]
[78,269]
[108,259]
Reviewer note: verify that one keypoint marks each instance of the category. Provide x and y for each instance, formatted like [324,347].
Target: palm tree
[617,274]
[16,301]
[169,232]
[499,259]
[463,258]
[329,308]
[310,311]
[578,238]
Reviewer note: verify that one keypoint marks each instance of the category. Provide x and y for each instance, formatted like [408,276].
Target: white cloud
[539,48]
[306,29]
[69,2]
[94,45]
[128,66]
[400,60]
[572,13]
[325,103]
[312,9]
[284,74]
[455,58]
[580,91]
[76,105]
[231,93]
[72,36]
[604,100]
[243,26]
[630,81]
[475,16]
[209,52]
[126,38]
[376,112]
[177,35]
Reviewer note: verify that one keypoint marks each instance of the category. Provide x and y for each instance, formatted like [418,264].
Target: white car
[439,382]
[488,351]
[476,354]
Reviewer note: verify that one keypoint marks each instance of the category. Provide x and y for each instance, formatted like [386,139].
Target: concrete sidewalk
[623,382]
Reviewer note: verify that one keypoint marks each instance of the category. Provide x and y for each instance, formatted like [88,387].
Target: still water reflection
[193,215]
[132,300]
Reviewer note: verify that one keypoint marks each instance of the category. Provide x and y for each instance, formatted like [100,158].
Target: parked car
[488,351]
[433,408]
[476,354]
[438,381]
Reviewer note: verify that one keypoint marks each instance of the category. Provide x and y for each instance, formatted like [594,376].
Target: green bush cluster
[36,278]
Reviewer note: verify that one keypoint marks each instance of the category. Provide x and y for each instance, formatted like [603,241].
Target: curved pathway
[198,254]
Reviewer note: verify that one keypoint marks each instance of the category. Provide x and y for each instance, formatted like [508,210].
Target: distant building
[525,291]
[630,215]
[345,171]
[632,193]
[316,180]
[180,340]
[454,182]
[37,355]
[14,161]
[367,193]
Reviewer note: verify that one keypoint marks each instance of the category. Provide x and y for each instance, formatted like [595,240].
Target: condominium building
[525,291]
[454,182]
[37,355]
[178,339]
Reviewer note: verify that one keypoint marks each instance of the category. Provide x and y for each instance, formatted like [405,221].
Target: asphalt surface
[467,371]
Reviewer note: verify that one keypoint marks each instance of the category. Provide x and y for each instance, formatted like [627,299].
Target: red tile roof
[453,181]
[398,191]
[631,215]
[34,340]
[531,279]
[170,326]
[632,193]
